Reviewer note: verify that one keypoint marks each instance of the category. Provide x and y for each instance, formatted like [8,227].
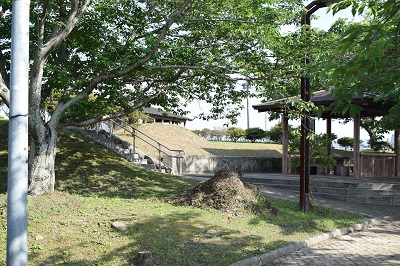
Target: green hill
[177,137]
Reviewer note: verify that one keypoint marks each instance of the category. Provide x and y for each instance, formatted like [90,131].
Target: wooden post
[329,133]
[397,153]
[285,145]
[356,147]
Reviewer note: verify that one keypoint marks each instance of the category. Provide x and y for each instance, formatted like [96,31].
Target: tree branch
[4,82]
[4,93]
[117,115]
[242,21]
[62,107]
[73,18]
[99,79]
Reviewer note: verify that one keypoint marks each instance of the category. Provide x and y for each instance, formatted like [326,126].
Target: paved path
[376,245]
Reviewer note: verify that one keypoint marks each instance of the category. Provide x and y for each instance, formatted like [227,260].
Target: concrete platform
[383,191]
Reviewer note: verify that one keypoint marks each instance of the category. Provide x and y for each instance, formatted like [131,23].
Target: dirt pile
[224,192]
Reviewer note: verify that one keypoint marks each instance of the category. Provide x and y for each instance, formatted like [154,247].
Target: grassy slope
[176,137]
[95,188]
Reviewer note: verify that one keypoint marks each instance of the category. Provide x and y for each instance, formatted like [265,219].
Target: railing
[378,164]
[173,161]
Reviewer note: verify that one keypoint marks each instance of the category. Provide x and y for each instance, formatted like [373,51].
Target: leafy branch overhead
[366,58]
[133,53]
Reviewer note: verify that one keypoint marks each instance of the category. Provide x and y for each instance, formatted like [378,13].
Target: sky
[324,21]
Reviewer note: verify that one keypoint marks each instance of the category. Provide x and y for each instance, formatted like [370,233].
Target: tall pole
[246,87]
[266,118]
[305,121]
[17,196]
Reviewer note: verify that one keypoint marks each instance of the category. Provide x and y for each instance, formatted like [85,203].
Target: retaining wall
[197,164]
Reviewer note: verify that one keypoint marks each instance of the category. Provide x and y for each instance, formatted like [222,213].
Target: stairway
[125,150]
[384,192]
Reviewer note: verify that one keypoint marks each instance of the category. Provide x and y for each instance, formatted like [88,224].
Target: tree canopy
[95,60]
[235,133]
[254,133]
[366,58]
[129,54]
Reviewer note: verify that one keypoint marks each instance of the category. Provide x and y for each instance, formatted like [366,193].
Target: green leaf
[345,109]
[354,110]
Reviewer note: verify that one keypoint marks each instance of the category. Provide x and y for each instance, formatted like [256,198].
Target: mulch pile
[224,192]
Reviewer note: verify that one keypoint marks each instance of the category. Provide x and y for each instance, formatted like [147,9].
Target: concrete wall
[196,164]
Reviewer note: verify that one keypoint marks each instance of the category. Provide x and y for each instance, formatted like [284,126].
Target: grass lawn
[177,137]
[95,188]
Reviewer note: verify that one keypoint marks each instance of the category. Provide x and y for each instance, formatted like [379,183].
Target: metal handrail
[159,143]
[158,148]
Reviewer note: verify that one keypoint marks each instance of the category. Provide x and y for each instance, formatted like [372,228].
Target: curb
[264,259]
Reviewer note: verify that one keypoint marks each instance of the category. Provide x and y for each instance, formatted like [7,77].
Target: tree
[137,117]
[218,133]
[96,60]
[197,132]
[276,133]
[375,129]
[254,133]
[318,145]
[346,142]
[366,58]
[206,133]
[235,133]
[379,144]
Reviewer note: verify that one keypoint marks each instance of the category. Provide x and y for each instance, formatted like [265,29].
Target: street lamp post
[246,87]
[305,121]
[17,180]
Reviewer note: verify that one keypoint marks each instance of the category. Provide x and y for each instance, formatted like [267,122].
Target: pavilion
[364,164]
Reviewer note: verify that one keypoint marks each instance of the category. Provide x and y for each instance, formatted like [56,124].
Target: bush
[346,142]
[254,134]
[235,133]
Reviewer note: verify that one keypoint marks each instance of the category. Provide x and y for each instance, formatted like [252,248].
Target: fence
[377,164]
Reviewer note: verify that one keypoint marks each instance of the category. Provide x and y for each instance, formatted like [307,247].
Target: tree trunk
[41,163]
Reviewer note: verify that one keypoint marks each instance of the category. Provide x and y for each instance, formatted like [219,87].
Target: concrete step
[382,200]
[384,193]
[126,150]
[283,186]
[270,181]
[328,184]
[351,191]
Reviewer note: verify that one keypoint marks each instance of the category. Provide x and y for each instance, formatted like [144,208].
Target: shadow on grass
[178,238]
[86,168]
[3,155]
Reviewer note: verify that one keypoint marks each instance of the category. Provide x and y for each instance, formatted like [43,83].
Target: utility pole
[246,87]
[17,194]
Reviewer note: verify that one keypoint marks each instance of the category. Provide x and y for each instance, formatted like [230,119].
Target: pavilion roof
[159,113]
[369,106]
